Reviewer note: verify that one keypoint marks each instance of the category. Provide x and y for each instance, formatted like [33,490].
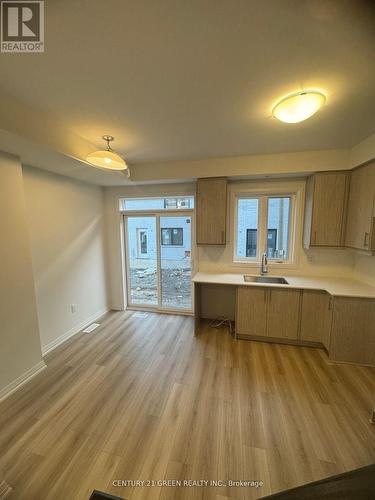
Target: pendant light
[299,106]
[107,158]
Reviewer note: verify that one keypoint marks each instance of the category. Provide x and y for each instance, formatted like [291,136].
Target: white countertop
[340,287]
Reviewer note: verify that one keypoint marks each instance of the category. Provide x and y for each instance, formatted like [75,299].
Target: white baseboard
[22,380]
[117,308]
[27,376]
[73,331]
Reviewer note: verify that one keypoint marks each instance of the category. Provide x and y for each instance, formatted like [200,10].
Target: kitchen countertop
[338,287]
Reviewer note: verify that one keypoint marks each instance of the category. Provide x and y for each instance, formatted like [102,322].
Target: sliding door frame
[157,214]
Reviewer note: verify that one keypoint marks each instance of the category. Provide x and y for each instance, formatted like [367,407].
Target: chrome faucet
[264,266]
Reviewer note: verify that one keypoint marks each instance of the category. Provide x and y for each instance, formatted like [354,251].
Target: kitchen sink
[248,278]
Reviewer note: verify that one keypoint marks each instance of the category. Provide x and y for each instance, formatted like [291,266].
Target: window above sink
[263,222]
[267,221]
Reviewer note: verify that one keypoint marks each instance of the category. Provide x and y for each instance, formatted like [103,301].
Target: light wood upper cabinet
[325,209]
[283,313]
[316,317]
[353,330]
[360,230]
[251,315]
[211,211]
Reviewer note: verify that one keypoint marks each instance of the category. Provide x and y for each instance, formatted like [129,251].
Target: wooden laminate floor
[143,399]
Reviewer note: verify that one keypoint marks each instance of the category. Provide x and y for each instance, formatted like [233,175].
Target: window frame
[140,231]
[251,231]
[293,190]
[123,199]
[290,222]
[171,230]
[275,233]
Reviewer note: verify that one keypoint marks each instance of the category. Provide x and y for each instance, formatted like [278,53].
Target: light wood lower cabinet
[283,313]
[316,317]
[267,312]
[251,315]
[344,325]
[353,330]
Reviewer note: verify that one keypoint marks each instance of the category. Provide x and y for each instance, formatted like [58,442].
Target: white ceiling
[177,79]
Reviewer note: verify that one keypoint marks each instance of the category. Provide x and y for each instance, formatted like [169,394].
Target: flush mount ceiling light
[298,106]
[107,158]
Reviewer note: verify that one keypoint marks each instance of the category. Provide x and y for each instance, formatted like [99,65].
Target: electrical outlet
[73,308]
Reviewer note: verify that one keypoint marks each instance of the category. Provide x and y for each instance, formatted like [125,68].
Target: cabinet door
[316,317]
[329,206]
[360,221]
[283,313]
[353,330]
[251,314]
[211,211]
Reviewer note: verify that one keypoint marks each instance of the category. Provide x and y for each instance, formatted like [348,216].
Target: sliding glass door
[175,262]
[142,276]
[159,261]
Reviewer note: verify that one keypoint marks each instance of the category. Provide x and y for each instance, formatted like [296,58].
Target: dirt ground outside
[175,290]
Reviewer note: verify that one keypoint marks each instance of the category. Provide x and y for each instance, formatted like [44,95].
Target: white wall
[255,165]
[19,333]
[286,164]
[364,268]
[65,220]
[363,152]
[317,262]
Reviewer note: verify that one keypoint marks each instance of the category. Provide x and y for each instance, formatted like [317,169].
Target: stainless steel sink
[271,279]
[248,278]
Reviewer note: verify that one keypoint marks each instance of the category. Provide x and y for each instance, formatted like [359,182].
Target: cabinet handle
[365,240]
[265,296]
[223,236]
[269,296]
[330,304]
